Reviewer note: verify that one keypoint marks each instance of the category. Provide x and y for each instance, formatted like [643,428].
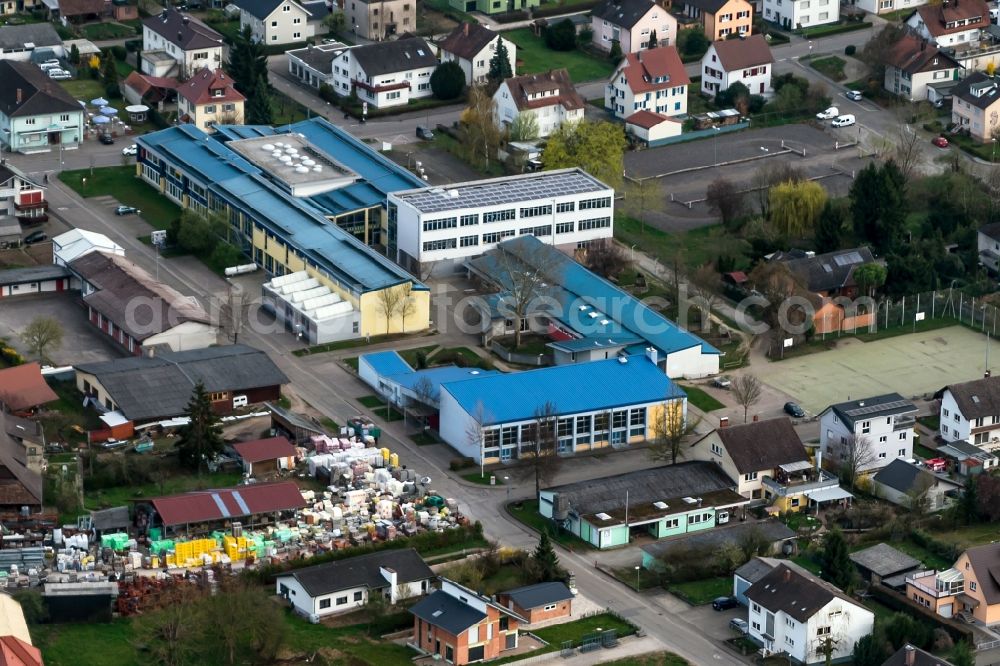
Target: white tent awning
[829,494]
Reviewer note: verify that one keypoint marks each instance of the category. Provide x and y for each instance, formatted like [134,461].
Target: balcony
[786,482]
[904,422]
[938,584]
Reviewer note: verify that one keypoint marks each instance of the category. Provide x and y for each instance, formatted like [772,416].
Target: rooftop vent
[690,500]
[603,516]
[660,505]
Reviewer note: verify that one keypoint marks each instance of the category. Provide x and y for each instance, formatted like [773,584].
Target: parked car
[845,120]
[739,625]
[35,237]
[59,75]
[127,210]
[132,150]
[940,142]
[721,382]
[793,409]
[829,114]
[107,139]
[724,603]
[854,95]
[424,133]
[49,65]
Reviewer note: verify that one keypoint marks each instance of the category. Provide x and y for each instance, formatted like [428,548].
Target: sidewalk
[627,647]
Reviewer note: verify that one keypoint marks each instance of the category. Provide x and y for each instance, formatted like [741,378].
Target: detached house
[652,80]
[951,23]
[175,44]
[975,106]
[885,422]
[387,73]
[795,14]
[747,61]
[970,411]
[36,113]
[720,18]
[797,614]
[988,241]
[473,46]
[918,70]
[767,461]
[210,98]
[903,483]
[550,97]
[275,22]
[633,24]
[377,20]
[969,587]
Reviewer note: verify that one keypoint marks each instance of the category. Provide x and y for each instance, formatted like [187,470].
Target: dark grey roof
[183,30]
[467,40]
[363,570]
[32,274]
[833,270]
[962,449]
[799,596]
[440,609]
[901,476]
[398,56]
[754,570]
[890,404]
[976,399]
[707,6]
[909,655]
[16,36]
[762,445]
[992,230]
[644,486]
[978,89]
[110,519]
[772,530]
[884,560]
[38,93]
[533,596]
[984,561]
[21,486]
[261,8]
[320,57]
[624,13]
[153,388]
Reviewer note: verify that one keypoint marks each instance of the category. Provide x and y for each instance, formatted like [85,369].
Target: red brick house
[462,626]
[541,602]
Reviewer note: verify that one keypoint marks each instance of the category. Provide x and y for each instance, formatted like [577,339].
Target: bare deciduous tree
[724,199]
[387,303]
[606,258]
[705,281]
[407,306]
[906,150]
[765,177]
[746,389]
[475,431]
[670,427]
[859,454]
[525,284]
[41,335]
[541,451]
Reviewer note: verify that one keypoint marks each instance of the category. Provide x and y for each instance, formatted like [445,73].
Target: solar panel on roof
[871,409]
[848,259]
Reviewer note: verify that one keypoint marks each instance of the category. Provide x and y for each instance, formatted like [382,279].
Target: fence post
[972,313]
[961,305]
[902,313]
[933,303]
[887,301]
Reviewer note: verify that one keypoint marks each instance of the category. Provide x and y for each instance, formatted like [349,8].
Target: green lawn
[371,401]
[451,354]
[931,422]
[650,659]
[285,110]
[696,103]
[103,31]
[348,344]
[924,452]
[700,592]
[830,66]
[483,480]
[120,496]
[410,355]
[123,68]
[387,414]
[807,563]
[121,183]
[700,399]
[84,89]
[929,559]
[330,424]
[695,248]
[534,57]
[424,439]
[527,513]
[574,631]
[352,362]
[834,28]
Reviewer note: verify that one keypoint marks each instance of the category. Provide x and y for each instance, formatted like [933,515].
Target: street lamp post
[715,144]
[637,578]
[506,482]
[631,257]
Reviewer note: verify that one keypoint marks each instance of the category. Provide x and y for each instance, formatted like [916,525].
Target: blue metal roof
[588,343]
[589,305]
[386,363]
[438,376]
[206,160]
[572,389]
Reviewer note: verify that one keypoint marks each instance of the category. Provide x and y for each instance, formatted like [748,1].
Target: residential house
[152,91]
[550,97]
[887,6]
[15,639]
[541,603]
[652,129]
[796,14]
[970,459]
[158,386]
[210,98]
[970,411]
[22,197]
[918,70]
[313,65]
[29,441]
[660,502]
[112,289]
[909,655]
[975,106]
[968,588]
[387,73]
[346,585]
[19,42]
[874,430]
[493,6]
[187,44]
[835,292]
[802,616]
[747,61]
[377,20]
[219,507]
[78,11]
[266,456]
[952,23]
[24,389]
[37,115]
[33,280]
[719,18]
[653,80]
[20,486]
[755,569]
[767,462]
[276,22]
[988,241]
[75,243]
[634,24]
[461,626]
[881,562]
[904,483]
[473,47]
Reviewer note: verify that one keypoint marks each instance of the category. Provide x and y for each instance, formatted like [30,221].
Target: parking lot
[912,365]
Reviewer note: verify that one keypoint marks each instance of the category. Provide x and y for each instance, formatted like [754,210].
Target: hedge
[559,10]
[899,602]
[824,31]
[510,17]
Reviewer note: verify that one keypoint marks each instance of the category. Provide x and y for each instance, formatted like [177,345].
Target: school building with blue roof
[305,199]
[587,317]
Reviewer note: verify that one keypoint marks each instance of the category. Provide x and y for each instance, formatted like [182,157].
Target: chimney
[180,35]
[909,655]
[986,375]
[465,29]
[186,19]
[788,574]
[652,355]
[723,421]
[923,44]
[150,351]
[819,458]
[756,417]
[20,95]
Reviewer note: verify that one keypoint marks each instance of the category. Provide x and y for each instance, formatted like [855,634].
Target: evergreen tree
[870,650]
[247,63]
[448,80]
[109,73]
[962,655]
[968,503]
[879,205]
[837,566]
[201,439]
[546,560]
[500,69]
[830,226]
[74,55]
[258,105]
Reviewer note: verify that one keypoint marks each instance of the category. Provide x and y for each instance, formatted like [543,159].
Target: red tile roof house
[653,80]
[462,626]
[23,389]
[542,603]
[209,98]
[266,456]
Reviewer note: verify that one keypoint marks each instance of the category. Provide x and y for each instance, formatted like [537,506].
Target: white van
[845,120]
[49,65]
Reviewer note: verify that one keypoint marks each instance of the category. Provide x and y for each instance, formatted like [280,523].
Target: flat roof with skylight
[295,162]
